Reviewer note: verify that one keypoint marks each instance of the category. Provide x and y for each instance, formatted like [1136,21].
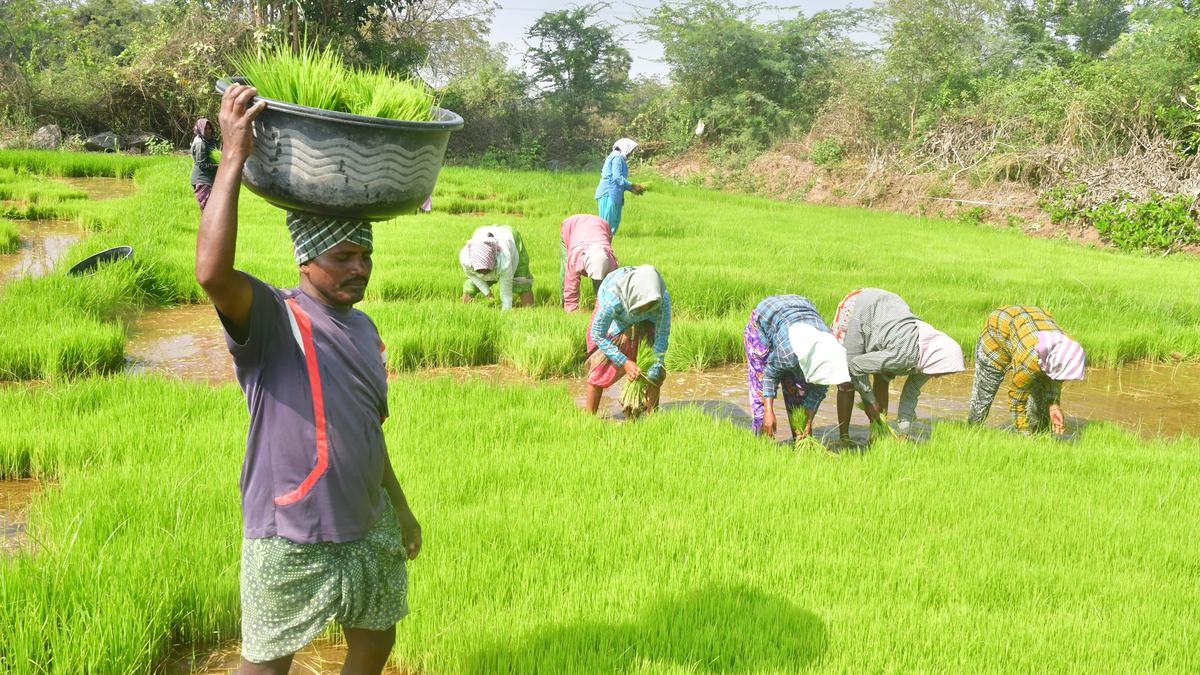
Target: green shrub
[1160,223]
[826,152]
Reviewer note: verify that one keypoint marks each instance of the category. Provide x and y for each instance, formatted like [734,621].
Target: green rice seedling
[1076,558]
[798,248]
[10,236]
[635,394]
[74,164]
[317,77]
[308,76]
[376,93]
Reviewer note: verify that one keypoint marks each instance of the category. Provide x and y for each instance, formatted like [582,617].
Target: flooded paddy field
[15,497]
[558,542]
[43,245]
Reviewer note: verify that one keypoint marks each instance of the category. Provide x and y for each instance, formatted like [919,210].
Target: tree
[937,50]
[1059,29]
[576,61]
[746,79]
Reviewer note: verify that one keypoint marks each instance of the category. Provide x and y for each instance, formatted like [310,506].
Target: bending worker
[614,181]
[632,305]
[495,256]
[326,527]
[1028,341]
[586,252]
[789,347]
[883,340]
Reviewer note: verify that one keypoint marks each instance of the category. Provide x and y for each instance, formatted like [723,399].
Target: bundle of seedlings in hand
[635,394]
[319,78]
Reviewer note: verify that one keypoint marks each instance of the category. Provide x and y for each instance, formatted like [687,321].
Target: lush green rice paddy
[556,542]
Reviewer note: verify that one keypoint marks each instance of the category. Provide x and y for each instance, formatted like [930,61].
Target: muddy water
[1154,399]
[184,341]
[319,658]
[43,245]
[102,188]
[15,498]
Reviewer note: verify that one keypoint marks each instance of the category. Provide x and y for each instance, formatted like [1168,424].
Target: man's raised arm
[216,240]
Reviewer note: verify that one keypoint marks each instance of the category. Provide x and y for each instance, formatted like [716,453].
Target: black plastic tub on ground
[90,264]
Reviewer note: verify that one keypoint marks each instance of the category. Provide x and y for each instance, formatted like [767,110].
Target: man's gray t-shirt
[305,362]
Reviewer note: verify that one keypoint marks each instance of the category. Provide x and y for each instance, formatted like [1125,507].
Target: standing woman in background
[204,167]
[614,181]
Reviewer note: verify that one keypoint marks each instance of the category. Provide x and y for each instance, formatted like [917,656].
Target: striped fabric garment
[1061,358]
[313,235]
[478,255]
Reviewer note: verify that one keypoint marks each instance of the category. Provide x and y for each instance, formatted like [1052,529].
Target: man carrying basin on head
[789,347]
[326,526]
[495,256]
[632,305]
[1028,341]
[883,340]
[586,251]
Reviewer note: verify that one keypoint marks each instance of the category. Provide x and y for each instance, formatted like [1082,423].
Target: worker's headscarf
[937,353]
[625,146]
[1060,357]
[640,287]
[201,127]
[822,358]
[478,255]
[597,262]
[313,235]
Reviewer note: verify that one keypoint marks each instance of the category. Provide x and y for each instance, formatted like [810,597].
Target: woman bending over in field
[632,305]
[884,339]
[586,251]
[495,256]
[1029,342]
[788,346]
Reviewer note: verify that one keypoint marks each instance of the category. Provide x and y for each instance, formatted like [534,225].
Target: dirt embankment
[785,172]
[975,191]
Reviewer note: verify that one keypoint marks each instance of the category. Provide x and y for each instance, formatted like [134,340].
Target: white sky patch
[514,18]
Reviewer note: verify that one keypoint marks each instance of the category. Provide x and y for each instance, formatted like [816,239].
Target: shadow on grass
[714,630]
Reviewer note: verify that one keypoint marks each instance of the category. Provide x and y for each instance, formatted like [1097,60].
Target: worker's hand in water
[237,121]
[631,369]
[768,427]
[1057,423]
[410,534]
[638,188]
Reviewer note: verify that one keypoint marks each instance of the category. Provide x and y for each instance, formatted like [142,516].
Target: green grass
[319,78]
[719,253]
[681,544]
[73,164]
[558,542]
[10,236]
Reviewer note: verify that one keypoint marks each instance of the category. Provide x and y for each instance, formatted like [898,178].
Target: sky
[514,18]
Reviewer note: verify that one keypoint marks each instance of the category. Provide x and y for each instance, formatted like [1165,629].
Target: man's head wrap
[313,235]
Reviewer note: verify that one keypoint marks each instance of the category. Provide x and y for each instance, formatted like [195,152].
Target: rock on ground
[48,137]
